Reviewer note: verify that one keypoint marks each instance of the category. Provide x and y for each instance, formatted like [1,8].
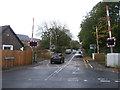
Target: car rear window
[55,55]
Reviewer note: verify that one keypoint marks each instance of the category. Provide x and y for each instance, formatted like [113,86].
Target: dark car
[57,58]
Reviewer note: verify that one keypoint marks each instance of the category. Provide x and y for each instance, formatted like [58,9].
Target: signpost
[52,47]
[93,46]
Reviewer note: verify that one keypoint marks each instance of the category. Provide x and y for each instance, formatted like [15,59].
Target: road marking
[59,69]
[74,73]
[73,79]
[99,78]
[105,81]
[86,65]
[117,81]
[85,80]
[89,64]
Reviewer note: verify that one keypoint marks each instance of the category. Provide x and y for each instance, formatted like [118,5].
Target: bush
[43,54]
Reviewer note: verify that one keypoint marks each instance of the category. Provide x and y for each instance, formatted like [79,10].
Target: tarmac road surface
[74,73]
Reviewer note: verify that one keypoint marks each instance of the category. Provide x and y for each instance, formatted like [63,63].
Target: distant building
[25,39]
[9,40]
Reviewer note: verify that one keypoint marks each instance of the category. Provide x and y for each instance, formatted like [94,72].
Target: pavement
[25,66]
[97,66]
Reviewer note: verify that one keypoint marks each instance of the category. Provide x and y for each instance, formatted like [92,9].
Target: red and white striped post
[108,18]
[109,27]
[32,30]
[33,60]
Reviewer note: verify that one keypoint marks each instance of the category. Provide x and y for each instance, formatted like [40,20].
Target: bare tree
[55,33]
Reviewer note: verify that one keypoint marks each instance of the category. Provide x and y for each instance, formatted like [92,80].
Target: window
[7,47]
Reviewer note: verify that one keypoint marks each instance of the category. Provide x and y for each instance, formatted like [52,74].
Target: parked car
[57,58]
[79,54]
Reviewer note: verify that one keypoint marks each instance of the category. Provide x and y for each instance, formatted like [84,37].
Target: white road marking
[59,69]
[89,64]
[99,78]
[85,80]
[73,79]
[73,73]
[117,81]
[105,81]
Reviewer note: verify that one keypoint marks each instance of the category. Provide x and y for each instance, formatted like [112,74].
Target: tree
[54,33]
[75,44]
[97,17]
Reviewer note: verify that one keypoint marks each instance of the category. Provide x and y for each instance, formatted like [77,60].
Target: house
[9,40]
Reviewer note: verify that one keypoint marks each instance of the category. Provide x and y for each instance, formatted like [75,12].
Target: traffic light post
[33,43]
[111,40]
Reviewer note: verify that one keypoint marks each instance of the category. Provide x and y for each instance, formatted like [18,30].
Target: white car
[78,54]
[74,51]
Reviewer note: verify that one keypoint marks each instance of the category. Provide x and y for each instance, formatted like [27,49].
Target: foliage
[75,44]
[56,34]
[97,17]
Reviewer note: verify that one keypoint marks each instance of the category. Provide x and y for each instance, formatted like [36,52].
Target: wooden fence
[20,58]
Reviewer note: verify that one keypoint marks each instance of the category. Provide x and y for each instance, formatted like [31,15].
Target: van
[68,51]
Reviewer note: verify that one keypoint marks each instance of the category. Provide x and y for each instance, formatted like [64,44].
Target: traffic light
[111,42]
[32,43]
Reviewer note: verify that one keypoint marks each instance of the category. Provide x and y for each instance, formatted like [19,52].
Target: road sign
[33,43]
[92,46]
[111,42]
[52,47]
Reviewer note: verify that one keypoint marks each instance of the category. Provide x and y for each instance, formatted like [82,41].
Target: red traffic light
[111,42]
[32,43]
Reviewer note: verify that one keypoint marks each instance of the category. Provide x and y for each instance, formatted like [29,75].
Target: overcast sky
[19,13]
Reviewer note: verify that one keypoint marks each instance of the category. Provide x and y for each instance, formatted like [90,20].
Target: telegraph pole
[50,41]
[97,39]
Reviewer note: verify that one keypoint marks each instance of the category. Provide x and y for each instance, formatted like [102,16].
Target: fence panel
[20,58]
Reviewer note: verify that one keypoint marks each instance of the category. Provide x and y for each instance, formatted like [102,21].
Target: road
[74,73]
